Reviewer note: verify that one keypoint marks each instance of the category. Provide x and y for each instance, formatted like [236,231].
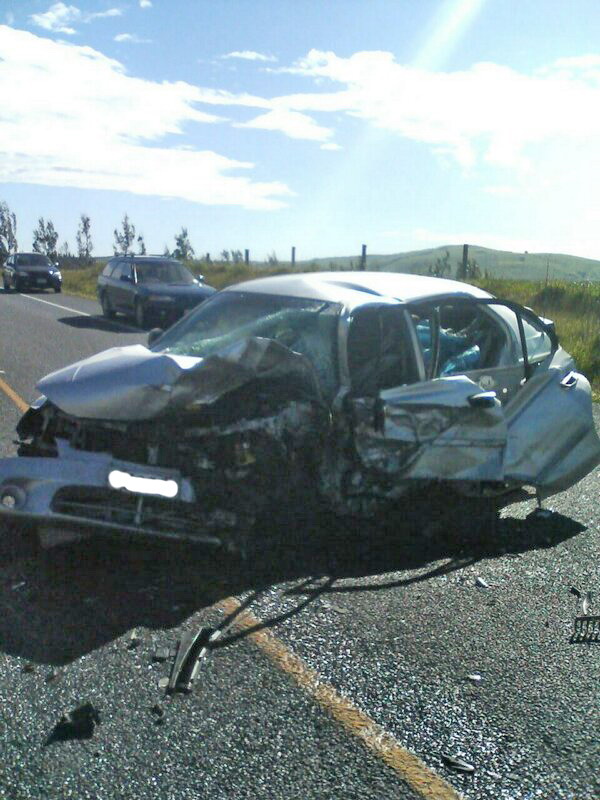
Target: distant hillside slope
[498,263]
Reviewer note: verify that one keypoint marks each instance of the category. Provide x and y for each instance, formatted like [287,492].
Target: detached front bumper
[75,493]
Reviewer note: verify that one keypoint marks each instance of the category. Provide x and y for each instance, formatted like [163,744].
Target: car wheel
[141,317]
[57,289]
[106,306]
[5,284]
[17,285]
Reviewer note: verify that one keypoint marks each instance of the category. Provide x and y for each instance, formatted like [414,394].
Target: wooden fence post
[246,257]
[293,257]
[363,258]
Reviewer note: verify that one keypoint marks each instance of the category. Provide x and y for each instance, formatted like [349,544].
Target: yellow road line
[12,395]
[410,768]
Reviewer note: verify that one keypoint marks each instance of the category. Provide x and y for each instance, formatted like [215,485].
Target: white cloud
[73,117]
[10,18]
[110,12]
[145,3]
[131,37]
[487,113]
[291,123]
[249,55]
[60,18]
[331,146]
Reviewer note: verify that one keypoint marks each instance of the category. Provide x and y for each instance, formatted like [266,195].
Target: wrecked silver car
[345,391]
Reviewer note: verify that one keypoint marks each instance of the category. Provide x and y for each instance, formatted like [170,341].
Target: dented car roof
[357,288]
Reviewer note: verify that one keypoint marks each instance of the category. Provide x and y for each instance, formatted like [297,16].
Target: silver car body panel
[426,431]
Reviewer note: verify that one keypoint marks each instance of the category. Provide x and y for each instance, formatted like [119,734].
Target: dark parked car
[149,288]
[23,271]
[336,391]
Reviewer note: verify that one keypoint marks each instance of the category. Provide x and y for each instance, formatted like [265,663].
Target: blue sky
[264,124]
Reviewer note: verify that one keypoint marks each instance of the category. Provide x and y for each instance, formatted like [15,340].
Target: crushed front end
[203,466]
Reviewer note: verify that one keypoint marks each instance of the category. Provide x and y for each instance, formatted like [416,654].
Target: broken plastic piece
[193,645]
[475,677]
[76,724]
[586,629]
[483,584]
[457,763]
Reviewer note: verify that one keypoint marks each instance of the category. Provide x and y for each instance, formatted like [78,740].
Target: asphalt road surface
[352,658]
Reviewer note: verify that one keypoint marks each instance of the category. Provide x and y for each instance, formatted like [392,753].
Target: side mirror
[153,335]
[127,278]
[200,278]
[483,400]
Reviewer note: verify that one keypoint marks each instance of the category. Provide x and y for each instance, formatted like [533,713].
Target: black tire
[140,315]
[57,289]
[106,306]
[17,285]
[5,284]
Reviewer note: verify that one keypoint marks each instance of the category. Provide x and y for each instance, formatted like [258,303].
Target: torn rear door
[443,429]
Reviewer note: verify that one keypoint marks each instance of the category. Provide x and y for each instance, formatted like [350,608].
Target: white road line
[117,323]
[64,308]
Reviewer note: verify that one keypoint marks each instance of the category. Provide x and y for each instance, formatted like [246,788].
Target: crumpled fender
[133,383]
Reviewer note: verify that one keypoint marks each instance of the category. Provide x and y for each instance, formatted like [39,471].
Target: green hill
[497,263]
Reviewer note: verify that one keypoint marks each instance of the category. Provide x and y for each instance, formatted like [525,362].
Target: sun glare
[450,25]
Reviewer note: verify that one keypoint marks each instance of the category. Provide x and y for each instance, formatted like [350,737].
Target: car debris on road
[77,724]
[458,764]
[342,392]
[586,627]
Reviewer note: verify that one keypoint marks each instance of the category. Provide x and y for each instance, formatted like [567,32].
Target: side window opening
[458,338]
[469,340]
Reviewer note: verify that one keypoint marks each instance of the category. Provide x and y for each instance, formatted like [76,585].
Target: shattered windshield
[162,272]
[305,326]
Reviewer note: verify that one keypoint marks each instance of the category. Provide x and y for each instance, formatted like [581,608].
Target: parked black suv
[23,271]
[149,288]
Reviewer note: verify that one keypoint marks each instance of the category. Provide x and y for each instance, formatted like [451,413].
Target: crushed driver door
[444,429]
[450,428]
[428,427]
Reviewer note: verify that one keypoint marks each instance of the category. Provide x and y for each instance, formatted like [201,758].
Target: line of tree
[8,231]
[126,242]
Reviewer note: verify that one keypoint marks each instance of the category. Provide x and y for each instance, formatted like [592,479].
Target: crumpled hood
[134,383]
